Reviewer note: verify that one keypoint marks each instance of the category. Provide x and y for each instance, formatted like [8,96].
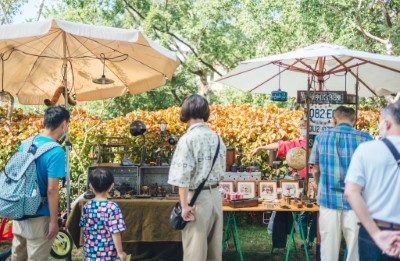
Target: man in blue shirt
[331,155]
[33,237]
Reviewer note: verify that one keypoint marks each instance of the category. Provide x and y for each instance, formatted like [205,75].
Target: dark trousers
[307,218]
[368,250]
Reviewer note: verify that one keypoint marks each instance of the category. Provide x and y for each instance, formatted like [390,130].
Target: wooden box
[244,203]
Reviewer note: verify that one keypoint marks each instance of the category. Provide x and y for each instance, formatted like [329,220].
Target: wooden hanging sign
[319,97]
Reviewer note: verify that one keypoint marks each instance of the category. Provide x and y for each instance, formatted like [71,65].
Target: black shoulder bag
[175,219]
[393,149]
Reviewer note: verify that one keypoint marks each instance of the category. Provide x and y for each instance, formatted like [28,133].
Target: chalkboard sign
[278,95]
[335,97]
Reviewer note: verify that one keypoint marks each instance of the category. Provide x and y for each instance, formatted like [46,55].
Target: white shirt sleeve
[356,171]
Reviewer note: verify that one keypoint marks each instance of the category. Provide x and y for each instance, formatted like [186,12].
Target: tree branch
[386,14]
[208,65]
[368,34]
[358,26]
[39,12]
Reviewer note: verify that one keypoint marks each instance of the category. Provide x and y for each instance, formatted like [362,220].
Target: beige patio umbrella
[38,56]
[93,62]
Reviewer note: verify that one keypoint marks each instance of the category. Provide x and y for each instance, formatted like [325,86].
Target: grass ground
[256,245]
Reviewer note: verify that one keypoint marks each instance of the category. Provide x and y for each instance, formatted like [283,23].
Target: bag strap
[37,152]
[392,149]
[198,190]
[45,148]
[28,144]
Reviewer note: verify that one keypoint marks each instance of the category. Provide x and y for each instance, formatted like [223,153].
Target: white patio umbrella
[333,67]
[38,57]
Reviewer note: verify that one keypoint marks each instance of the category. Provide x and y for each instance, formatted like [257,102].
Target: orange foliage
[239,125]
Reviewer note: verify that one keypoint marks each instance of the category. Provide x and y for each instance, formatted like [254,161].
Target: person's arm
[52,199]
[118,245]
[316,172]
[384,239]
[187,211]
[272,146]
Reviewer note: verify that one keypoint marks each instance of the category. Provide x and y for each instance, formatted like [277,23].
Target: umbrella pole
[357,83]
[308,132]
[67,143]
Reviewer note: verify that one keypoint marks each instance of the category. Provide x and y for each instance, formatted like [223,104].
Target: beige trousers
[30,241]
[332,223]
[202,238]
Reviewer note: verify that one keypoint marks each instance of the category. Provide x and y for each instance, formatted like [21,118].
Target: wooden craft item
[244,203]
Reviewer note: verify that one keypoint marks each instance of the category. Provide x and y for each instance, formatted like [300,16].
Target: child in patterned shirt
[102,221]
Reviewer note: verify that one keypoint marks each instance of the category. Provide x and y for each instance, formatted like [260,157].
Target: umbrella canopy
[332,67]
[37,53]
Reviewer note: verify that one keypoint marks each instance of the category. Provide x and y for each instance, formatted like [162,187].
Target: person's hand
[388,241]
[188,213]
[53,230]
[122,256]
[255,151]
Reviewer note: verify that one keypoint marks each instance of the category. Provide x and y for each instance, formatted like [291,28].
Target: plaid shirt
[332,151]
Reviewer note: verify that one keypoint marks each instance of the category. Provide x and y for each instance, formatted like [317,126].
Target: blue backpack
[20,195]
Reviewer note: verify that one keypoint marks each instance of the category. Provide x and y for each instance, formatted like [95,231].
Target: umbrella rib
[31,69]
[295,69]
[366,85]
[83,45]
[235,74]
[306,65]
[355,76]
[338,66]
[379,65]
[107,66]
[36,39]
[46,45]
[275,63]
[347,68]
[120,53]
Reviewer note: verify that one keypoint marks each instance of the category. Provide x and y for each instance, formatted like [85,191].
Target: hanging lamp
[103,79]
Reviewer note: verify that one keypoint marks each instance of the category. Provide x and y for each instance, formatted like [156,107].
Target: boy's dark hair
[194,106]
[343,112]
[101,179]
[54,116]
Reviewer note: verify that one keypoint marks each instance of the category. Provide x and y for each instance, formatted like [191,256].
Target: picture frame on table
[247,188]
[289,187]
[227,185]
[267,189]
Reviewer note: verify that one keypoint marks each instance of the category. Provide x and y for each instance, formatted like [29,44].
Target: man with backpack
[34,235]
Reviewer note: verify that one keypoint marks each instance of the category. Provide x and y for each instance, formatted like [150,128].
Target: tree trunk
[202,83]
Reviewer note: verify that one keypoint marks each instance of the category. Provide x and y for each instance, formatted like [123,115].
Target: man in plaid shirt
[331,155]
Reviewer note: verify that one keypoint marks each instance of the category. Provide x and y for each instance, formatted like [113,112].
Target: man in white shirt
[373,190]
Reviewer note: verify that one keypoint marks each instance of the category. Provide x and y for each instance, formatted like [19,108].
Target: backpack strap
[392,149]
[37,152]
[45,148]
[28,144]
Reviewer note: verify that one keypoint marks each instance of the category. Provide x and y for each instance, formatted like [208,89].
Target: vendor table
[231,222]
[147,225]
